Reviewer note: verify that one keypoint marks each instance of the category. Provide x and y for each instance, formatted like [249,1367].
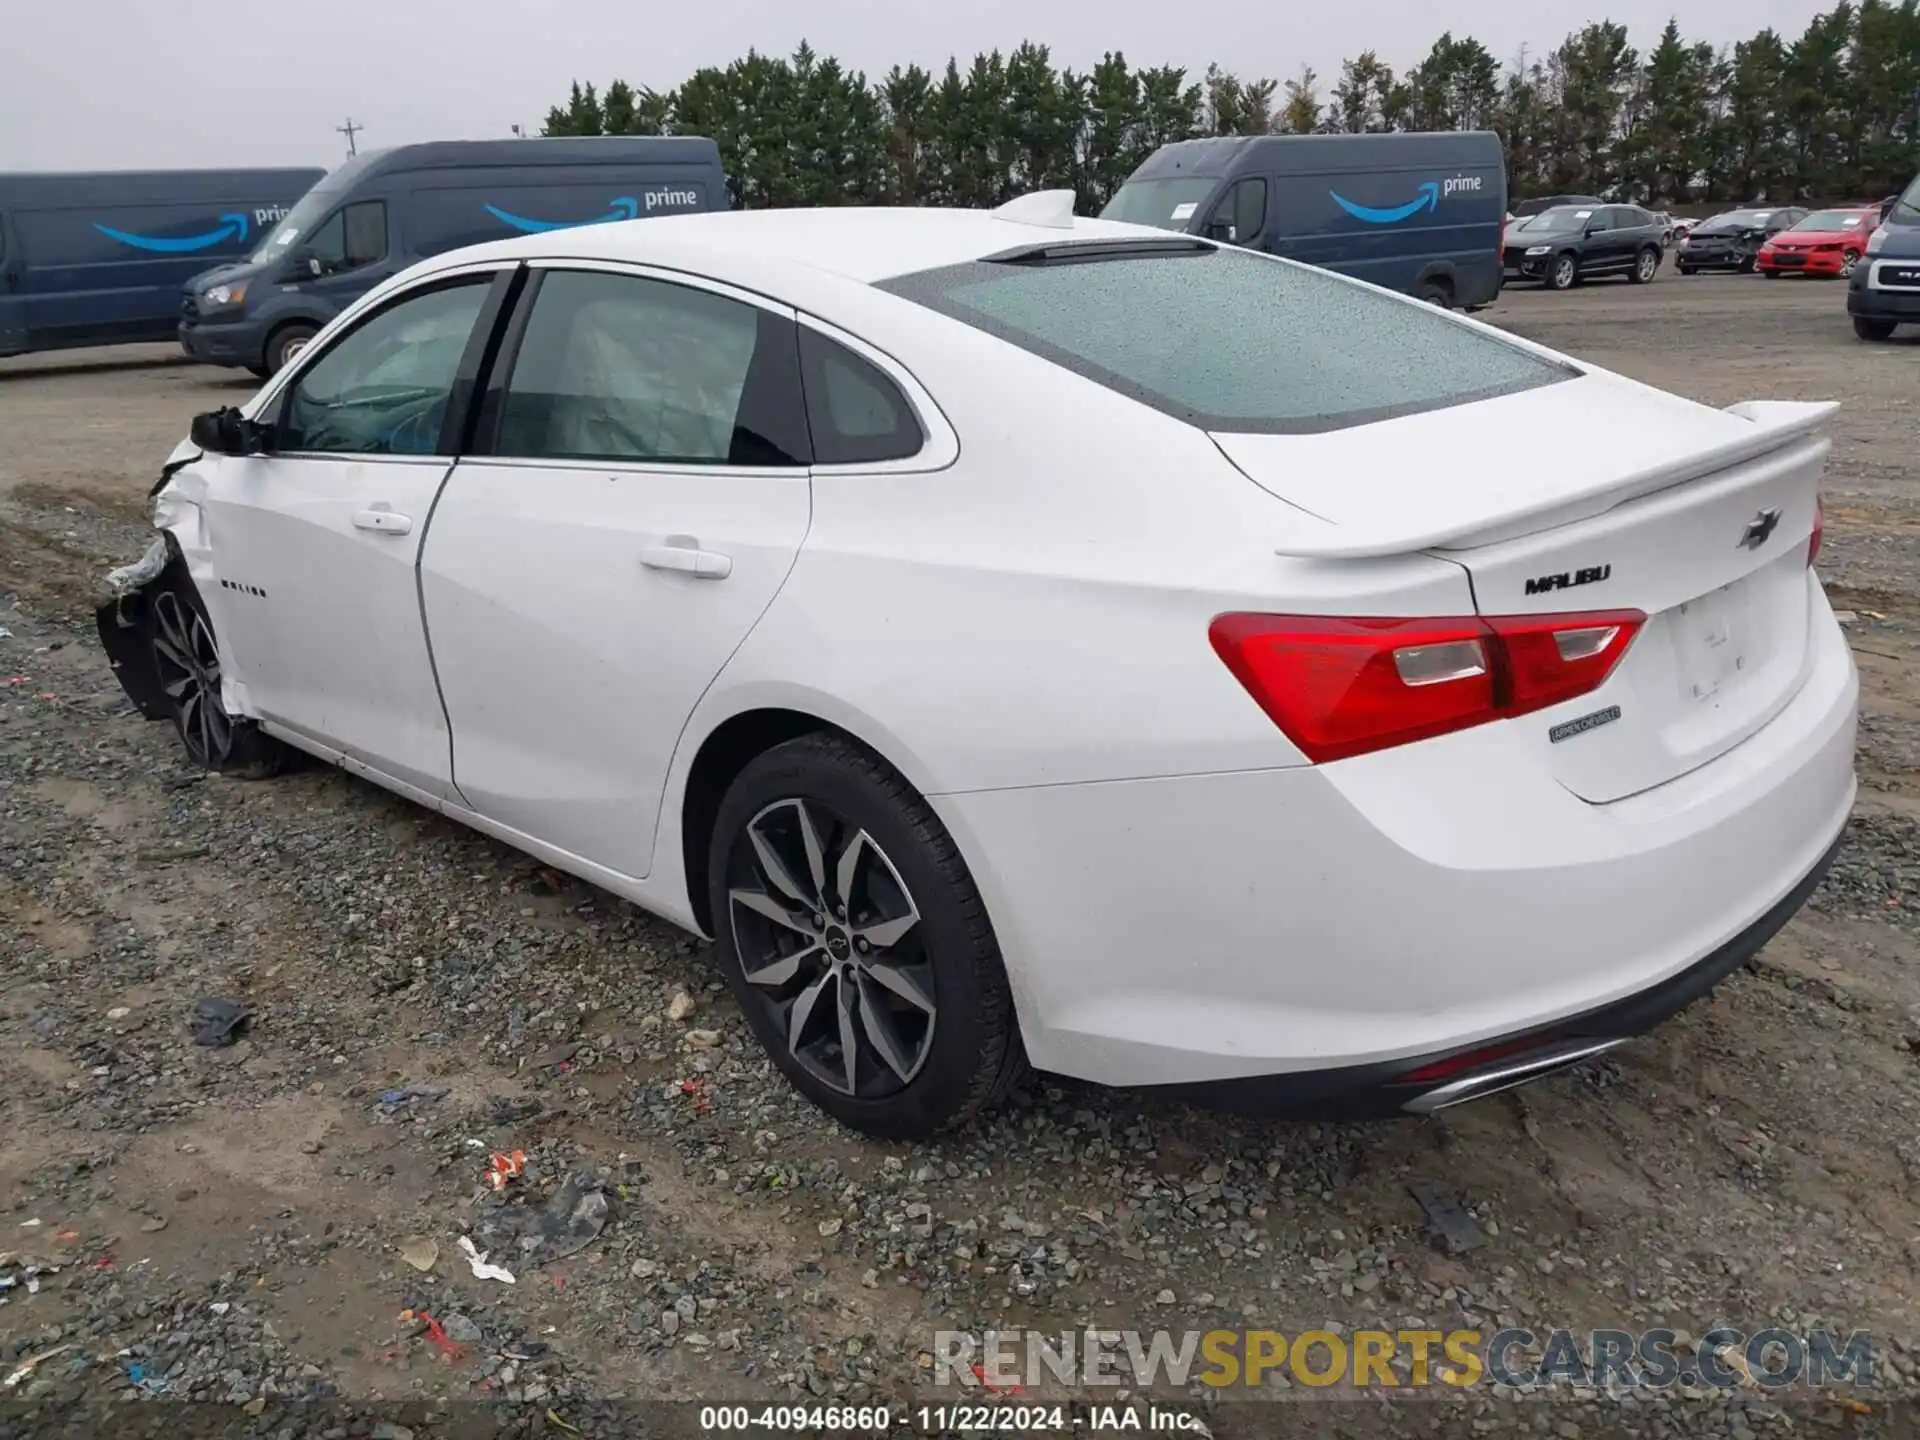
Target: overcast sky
[136,84]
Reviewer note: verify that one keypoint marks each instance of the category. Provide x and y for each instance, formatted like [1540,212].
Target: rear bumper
[1371,1091]
[1311,931]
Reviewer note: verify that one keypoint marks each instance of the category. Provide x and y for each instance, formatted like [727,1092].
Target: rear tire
[887,1007]
[287,342]
[1745,267]
[1435,292]
[1868,328]
[1562,272]
[1645,266]
[187,661]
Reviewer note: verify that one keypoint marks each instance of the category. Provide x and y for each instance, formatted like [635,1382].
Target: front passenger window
[383,388]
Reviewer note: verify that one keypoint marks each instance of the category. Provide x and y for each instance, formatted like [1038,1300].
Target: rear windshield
[1738,220]
[1233,341]
[1168,204]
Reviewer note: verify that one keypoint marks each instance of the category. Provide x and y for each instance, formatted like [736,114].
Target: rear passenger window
[858,416]
[620,368]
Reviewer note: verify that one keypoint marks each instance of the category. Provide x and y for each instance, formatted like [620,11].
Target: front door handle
[682,554]
[383,519]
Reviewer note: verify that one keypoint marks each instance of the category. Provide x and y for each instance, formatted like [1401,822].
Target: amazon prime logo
[1428,199]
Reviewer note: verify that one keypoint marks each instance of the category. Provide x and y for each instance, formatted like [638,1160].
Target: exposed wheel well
[723,755]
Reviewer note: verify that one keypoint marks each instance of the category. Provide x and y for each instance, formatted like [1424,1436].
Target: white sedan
[1016,638]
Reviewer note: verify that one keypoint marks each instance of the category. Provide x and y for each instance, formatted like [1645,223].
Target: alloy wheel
[829,940]
[189,666]
[1563,272]
[1649,263]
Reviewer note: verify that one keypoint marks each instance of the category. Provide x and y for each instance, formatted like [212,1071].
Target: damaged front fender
[126,632]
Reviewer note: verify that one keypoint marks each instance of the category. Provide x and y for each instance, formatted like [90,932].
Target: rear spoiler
[1776,424]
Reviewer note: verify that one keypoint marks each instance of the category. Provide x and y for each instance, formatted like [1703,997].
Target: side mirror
[227,432]
[1220,230]
[302,264]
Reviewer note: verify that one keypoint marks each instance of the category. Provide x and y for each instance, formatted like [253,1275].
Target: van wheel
[1868,328]
[1563,272]
[1435,292]
[1646,266]
[285,343]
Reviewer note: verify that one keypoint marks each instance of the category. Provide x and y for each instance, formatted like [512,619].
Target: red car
[1827,242]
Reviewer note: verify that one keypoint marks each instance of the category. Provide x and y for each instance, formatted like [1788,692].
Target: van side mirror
[303,263]
[227,432]
[1221,231]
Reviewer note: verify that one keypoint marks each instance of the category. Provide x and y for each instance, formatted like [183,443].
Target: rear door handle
[384,519]
[679,553]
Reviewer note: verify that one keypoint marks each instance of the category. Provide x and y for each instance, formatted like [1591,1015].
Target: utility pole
[349,130]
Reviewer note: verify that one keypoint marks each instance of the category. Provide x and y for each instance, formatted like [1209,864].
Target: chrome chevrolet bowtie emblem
[1760,529]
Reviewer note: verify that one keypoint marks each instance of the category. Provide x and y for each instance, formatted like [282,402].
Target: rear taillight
[1345,685]
[1819,532]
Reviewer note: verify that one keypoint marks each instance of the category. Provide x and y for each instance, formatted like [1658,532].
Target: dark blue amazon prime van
[382,211]
[1420,213]
[98,259]
[1884,290]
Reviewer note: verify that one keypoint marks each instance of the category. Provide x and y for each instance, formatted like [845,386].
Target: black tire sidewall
[973,1009]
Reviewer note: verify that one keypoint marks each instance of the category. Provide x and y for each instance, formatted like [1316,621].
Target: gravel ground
[247,1225]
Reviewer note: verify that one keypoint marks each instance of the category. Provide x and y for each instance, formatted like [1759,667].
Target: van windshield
[1906,209]
[1165,204]
[313,207]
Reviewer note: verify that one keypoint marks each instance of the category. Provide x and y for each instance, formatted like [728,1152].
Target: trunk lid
[1631,499]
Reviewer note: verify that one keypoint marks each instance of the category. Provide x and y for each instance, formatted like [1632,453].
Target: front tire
[1562,273]
[285,343]
[856,943]
[1868,328]
[187,662]
[1645,266]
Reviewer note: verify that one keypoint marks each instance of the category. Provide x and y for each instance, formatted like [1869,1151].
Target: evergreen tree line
[1831,115]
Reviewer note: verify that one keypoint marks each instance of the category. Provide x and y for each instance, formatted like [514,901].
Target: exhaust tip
[1507,1074]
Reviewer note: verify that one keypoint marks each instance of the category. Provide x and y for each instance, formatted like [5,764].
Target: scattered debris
[27,1367]
[703,1039]
[477,1262]
[570,1221]
[119,1012]
[33,1224]
[153,1224]
[697,1089]
[438,1335]
[505,1166]
[421,1252]
[137,1376]
[1845,617]
[218,1022]
[390,1099]
[1449,1226]
[681,1005]
[510,1111]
